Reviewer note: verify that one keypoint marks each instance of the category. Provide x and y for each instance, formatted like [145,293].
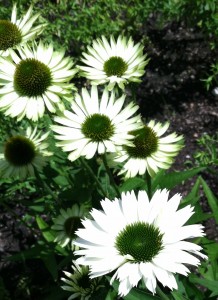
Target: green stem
[162,294]
[148,180]
[112,181]
[46,187]
[93,176]
[133,92]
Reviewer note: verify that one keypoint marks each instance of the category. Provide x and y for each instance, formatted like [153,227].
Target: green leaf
[37,208]
[212,248]
[158,178]
[51,265]
[37,251]
[190,290]
[47,233]
[212,200]
[178,296]
[132,184]
[136,294]
[111,295]
[193,196]
[212,252]
[170,180]
[209,284]
[199,215]
[56,293]
[61,180]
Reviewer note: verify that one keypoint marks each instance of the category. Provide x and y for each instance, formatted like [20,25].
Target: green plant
[212,78]
[207,155]
[91,175]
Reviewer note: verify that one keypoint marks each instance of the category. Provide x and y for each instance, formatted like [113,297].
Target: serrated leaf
[212,200]
[190,290]
[36,251]
[47,233]
[212,252]
[136,294]
[193,196]
[111,295]
[133,184]
[61,180]
[177,296]
[199,216]
[170,180]
[158,178]
[209,284]
[51,265]
[37,208]
[212,248]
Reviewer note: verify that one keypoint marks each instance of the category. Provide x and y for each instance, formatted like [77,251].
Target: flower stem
[112,181]
[133,92]
[162,294]
[93,176]
[148,180]
[46,187]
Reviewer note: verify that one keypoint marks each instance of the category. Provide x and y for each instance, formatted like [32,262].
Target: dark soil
[172,89]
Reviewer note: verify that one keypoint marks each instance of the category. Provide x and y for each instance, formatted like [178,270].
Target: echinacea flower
[139,239]
[67,223]
[34,78]
[24,152]
[151,151]
[115,62]
[96,125]
[18,31]
[79,283]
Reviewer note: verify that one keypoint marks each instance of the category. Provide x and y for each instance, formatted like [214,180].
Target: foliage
[198,12]
[212,79]
[207,155]
[73,25]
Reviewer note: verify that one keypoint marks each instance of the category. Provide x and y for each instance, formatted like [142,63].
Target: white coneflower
[151,151]
[34,78]
[67,223]
[18,31]
[24,152]
[96,125]
[139,239]
[114,62]
[79,283]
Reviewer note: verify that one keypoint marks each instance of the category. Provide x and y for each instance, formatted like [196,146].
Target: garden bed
[171,90]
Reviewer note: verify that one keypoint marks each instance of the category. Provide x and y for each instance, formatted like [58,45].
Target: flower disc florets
[145,143]
[24,153]
[18,31]
[115,66]
[19,151]
[10,35]
[31,78]
[140,240]
[98,128]
[71,225]
[79,283]
[150,151]
[67,223]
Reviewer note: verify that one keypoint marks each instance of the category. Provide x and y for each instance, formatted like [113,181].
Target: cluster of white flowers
[137,237]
